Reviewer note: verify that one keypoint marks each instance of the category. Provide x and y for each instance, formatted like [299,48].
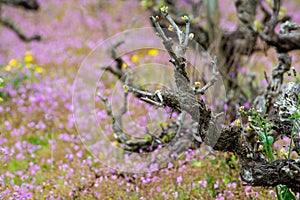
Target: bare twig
[5,22]
[212,81]
[174,25]
[283,42]
[187,32]
[26,4]
[168,43]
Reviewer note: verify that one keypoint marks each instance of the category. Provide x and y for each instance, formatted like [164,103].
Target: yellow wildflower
[135,58]
[153,52]
[116,143]
[8,68]
[1,99]
[124,65]
[28,57]
[39,69]
[13,62]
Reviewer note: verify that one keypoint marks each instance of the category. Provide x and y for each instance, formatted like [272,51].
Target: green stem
[277,193]
[293,132]
[271,159]
[268,149]
[293,129]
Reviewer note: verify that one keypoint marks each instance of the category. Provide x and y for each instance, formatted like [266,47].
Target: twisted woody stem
[255,169]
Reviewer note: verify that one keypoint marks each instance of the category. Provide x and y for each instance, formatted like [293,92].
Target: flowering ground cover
[42,155]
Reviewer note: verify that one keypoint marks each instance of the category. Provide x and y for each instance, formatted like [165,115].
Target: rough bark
[256,168]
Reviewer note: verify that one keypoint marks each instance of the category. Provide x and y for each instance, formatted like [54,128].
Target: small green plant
[262,127]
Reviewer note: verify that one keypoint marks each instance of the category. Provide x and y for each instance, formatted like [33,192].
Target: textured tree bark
[265,174]
[256,169]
